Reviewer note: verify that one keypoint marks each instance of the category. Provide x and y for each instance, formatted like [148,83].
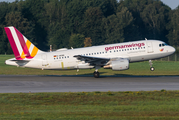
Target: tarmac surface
[25,84]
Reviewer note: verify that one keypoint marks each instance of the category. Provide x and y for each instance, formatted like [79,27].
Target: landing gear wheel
[96,74]
[152,68]
[150,63]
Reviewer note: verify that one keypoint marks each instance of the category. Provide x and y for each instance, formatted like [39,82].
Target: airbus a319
[112,56]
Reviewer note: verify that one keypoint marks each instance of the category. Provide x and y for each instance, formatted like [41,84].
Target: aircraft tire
[96,74]
[152,68]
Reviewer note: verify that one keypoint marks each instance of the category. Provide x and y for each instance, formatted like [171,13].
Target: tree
[17,20]
[76,41]
[3,40]
[87,42]
[114,26]
[92,25]
[173,28]
[22,24]
[58,37]
[155,18]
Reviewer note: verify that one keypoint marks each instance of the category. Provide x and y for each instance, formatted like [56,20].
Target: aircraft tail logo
[161,49]
[20,45]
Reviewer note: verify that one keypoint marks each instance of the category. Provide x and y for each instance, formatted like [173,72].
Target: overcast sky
[171,3]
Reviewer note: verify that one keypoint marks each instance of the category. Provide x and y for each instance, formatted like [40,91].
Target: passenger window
[94,53]
[59,57]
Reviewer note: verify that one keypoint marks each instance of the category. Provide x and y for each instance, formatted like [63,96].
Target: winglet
[21,46]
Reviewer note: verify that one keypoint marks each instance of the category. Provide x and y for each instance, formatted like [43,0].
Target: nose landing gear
[150,63]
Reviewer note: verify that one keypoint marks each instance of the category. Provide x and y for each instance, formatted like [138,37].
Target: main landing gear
[96,73]
[150,63]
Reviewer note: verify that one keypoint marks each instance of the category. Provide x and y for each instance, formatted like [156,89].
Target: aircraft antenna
[50,48]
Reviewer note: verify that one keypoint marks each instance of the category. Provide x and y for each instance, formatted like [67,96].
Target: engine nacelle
[119,64]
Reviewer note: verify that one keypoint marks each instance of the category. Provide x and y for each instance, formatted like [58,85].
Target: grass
[138,68]
[152,105]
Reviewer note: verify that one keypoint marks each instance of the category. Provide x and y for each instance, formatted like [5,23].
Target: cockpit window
[163,44]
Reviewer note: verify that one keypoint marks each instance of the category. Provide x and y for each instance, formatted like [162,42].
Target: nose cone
[172,50]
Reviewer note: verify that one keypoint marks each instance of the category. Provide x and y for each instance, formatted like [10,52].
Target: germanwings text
[125,46]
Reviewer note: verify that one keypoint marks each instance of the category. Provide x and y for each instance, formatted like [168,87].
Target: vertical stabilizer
[20,45]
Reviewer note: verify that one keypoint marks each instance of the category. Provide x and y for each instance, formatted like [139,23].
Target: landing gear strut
[150,63]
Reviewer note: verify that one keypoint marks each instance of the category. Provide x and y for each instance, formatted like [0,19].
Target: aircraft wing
[92,60]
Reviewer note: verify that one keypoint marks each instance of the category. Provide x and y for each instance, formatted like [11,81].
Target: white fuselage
[64,59]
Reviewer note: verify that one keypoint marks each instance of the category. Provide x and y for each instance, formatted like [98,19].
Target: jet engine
[119,64]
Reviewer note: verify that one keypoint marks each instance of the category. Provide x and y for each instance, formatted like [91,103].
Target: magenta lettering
[125,46]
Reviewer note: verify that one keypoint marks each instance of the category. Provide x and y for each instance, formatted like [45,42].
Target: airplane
[112,56]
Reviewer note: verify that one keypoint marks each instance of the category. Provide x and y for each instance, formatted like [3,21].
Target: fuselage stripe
[12,42]
[28,43]
[62,65]
[22,42]
[34,51]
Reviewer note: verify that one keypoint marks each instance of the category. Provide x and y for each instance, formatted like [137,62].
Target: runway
[25,84]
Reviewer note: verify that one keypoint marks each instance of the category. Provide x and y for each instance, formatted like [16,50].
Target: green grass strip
[151,105]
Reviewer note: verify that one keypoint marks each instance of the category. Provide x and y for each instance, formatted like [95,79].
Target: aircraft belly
[149,56]
[34,64]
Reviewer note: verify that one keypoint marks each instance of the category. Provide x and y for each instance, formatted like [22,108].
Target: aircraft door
[149,47]
[44,60]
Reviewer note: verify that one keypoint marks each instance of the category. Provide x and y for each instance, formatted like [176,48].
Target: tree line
[82,23]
